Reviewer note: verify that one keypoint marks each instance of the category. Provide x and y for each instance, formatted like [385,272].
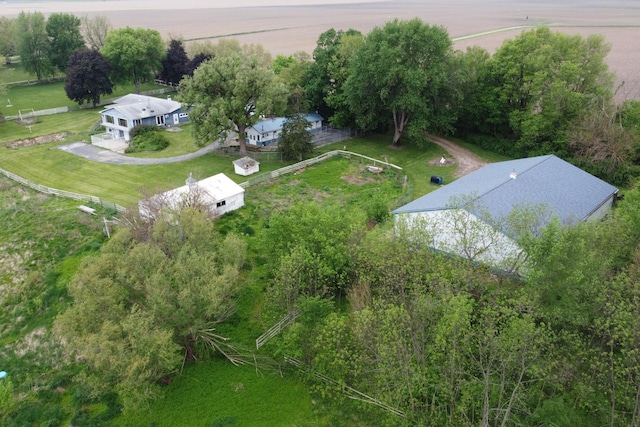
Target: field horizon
[288,26]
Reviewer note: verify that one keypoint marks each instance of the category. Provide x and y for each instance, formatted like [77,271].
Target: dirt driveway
[466,160]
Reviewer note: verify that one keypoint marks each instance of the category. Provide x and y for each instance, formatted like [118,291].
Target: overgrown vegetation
[43,239]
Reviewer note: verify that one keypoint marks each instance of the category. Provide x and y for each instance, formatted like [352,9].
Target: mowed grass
[123,184]
[76,124]
[10,73]
[47,95]
[412,158]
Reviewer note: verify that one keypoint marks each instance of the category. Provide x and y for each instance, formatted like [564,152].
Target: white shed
[246,166]
[218,192]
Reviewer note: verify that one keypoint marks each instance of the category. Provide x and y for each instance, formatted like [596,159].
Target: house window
[183,115]
[122,122]
[159,120]
[108,119]
[137,122]
[222,203]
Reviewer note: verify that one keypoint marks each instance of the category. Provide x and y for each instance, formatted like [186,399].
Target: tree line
[542,92]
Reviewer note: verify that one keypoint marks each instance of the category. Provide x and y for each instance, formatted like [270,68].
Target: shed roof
[214,188]
[566,190]
[133,106]
[246,162]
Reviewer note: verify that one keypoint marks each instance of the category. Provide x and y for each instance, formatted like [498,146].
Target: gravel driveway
[97,154]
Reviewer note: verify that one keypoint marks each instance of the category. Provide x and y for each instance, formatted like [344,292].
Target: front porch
[109,142]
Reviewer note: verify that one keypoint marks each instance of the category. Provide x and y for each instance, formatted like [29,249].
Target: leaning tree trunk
[400,119]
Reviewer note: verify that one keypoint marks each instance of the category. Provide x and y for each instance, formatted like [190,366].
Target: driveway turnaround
[97,154]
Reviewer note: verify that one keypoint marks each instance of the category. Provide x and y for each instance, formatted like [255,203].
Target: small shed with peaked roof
[246,166]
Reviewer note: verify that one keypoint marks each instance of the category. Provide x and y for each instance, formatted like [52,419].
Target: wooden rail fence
[303,164]
[62,193]
[276,329]
[351,392]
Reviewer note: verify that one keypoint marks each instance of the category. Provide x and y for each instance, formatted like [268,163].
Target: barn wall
[458,232]
[604,209]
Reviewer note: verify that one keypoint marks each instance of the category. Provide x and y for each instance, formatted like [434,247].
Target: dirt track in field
[467,161]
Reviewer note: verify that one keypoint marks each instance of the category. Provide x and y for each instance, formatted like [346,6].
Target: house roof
[276,123]
[215,188]
[133,106]
[567,191]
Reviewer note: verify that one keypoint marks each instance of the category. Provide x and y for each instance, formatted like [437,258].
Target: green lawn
[13,72]
[75,123]
[52,95]
[122,184]
[217,393]
[42,96]
[412,158]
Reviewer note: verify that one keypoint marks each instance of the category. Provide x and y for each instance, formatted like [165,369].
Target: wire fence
[62,193]
[350,392]
[301,165]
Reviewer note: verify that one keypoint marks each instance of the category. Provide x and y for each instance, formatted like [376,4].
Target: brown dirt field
[286,26]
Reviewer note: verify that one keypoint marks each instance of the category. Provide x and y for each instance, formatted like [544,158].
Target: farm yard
[112,319]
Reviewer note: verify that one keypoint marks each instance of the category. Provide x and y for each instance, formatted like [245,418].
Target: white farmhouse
[268,131]
[469,216]
[218,193]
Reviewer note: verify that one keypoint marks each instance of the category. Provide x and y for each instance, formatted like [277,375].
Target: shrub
[147,138]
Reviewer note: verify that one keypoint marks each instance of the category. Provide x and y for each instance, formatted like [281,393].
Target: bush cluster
[147,138]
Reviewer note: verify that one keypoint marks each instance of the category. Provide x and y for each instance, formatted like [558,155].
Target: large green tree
[540,82]
[135,54]
[150,301]
[64,38]
[290,70]
[318,82]
[338,71]
[399,77]
[296,140]
[229,93]
[7,38]
[33,44]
